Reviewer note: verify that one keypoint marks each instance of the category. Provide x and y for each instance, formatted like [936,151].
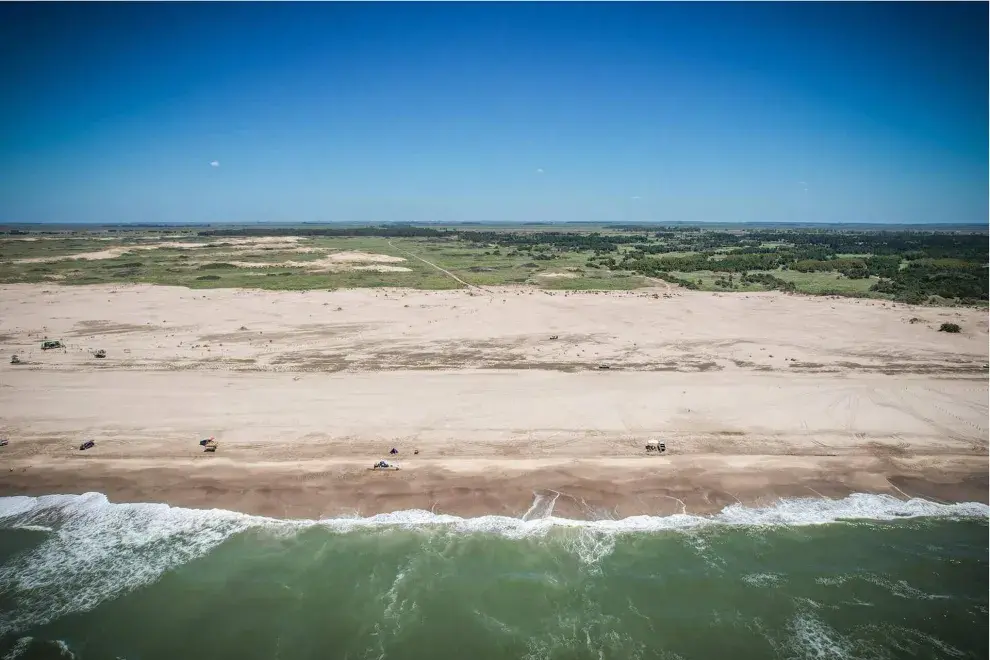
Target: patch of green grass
[11,249]
[484,266]
[817,283]
[273,256]
[279,279]
[826,282]
[372,244]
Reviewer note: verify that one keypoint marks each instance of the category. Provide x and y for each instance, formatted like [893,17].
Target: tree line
[563,241]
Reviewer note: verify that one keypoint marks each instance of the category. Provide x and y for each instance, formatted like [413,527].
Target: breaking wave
[93,550]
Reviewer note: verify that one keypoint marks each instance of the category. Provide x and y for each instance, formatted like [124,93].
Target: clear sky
[375,112]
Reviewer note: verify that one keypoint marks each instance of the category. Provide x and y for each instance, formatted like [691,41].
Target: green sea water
[864,577]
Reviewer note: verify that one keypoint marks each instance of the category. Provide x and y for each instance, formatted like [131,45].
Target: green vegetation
[909,266]
[905,266]
[924,278]
[767,280]
[827,283]
[949,327]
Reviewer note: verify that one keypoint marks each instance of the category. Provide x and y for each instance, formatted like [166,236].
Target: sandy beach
[756,396]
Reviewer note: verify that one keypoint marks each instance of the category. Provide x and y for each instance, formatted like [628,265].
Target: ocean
[868,576]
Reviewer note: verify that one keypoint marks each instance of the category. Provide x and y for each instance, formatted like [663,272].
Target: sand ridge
[335,262]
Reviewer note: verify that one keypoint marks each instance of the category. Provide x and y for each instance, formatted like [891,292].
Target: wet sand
[581,489]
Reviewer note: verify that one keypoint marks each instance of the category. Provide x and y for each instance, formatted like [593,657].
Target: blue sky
[484,112]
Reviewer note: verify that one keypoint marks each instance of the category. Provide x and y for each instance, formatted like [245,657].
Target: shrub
[208,277]
[667,277]
[949,327]
[216,265]
[885,286]
[768,280]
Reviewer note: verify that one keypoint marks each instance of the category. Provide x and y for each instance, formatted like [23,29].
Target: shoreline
[580,489]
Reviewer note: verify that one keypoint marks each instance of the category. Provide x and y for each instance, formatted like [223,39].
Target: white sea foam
[790,512]
[25,644]
[20,648]
[15,506]
[63,649]
[812,638]
[542,506]
[33,528]
[763,579]
[902,589]
[97,550]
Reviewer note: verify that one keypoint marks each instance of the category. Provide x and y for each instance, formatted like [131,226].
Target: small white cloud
[635,197]
[214,163]
[539,170]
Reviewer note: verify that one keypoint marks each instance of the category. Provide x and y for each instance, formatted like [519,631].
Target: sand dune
[335,261]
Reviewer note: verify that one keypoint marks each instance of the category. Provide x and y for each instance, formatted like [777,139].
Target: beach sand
[757,396]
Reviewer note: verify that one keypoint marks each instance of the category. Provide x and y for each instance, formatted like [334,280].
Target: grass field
[558,257]
[220,263]
[828,283]
[819,283]
[488,266]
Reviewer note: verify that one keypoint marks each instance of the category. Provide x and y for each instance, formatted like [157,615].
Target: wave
[96,550]
[25,644]
[28,512]
[33,528]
